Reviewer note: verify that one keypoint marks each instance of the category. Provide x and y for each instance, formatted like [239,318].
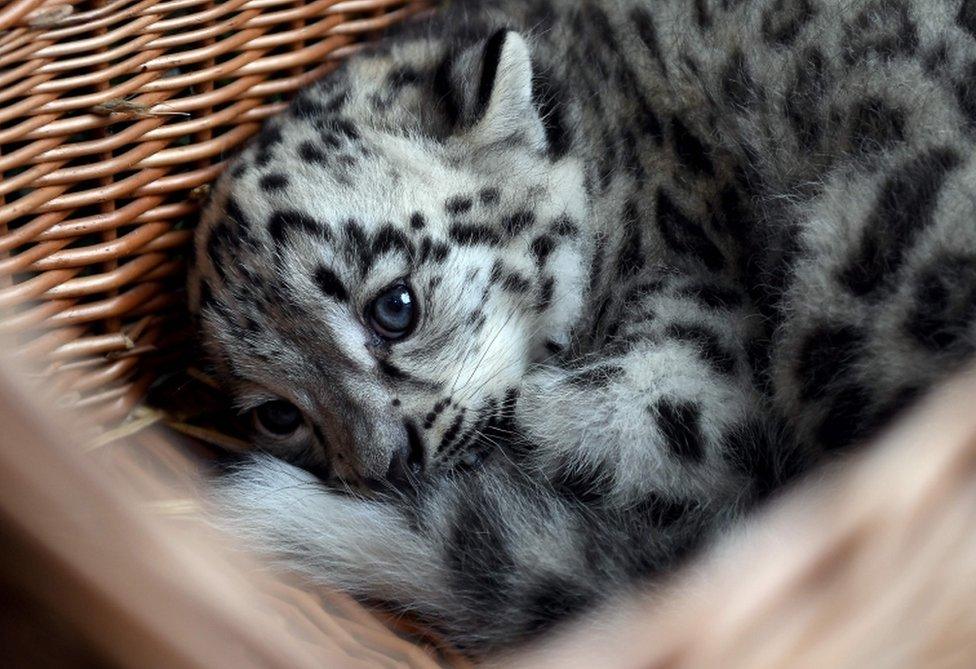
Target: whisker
[487,347]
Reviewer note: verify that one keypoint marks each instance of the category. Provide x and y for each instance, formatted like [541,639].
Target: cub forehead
[387,175]
[408,187]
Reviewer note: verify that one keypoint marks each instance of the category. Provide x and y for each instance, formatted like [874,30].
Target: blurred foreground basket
[115,115]
[104,563]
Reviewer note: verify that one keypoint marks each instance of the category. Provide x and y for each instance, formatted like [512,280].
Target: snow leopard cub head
[377,271]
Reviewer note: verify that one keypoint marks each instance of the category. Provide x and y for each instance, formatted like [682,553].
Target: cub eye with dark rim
[278,418]
[392,315]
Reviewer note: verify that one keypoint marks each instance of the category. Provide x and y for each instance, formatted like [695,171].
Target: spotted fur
[666,255]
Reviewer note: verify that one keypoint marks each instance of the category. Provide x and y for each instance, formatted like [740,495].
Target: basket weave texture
[115,116]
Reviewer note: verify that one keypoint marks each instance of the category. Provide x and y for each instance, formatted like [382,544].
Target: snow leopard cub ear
[487,92]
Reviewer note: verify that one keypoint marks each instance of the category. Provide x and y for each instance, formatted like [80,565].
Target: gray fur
[668,255]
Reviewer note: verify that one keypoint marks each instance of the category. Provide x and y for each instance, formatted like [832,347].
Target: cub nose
[407,462]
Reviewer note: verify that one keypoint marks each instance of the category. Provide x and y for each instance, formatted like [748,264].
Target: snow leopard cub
[538,295]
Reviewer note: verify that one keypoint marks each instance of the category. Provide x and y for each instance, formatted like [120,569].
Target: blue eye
[278,418]
[392,314]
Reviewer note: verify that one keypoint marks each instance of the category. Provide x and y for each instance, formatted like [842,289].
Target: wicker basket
[115,115]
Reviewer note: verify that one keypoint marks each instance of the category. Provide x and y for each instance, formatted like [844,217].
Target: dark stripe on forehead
[432,251]
[331,140]
[330,285]
[304,106]
[345,127]
[425,248]
[283,222]
[356,245]
[440,252]
[311,153]
[273,182]
[458,205]
[391,239]
[471,235]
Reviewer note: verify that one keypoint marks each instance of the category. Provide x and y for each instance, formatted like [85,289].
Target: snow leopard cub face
[377,271]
